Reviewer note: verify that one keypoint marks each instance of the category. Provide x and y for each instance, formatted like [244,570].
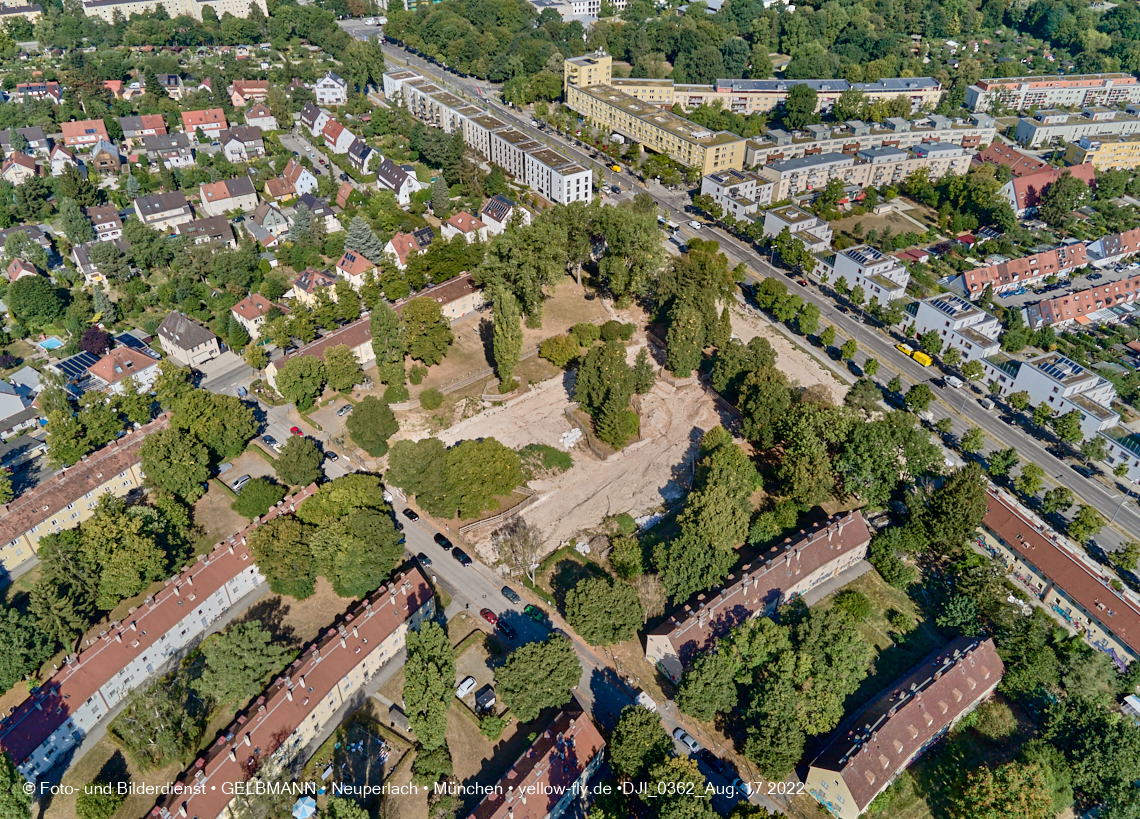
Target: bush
[856,604]
[431,766]
[416,376]
[431,399]
[561,351]
[492,727]
[995,720]
[257,496]
[371,424]
[395,394]
[7,361]
[98,801]
[585,333]
[613,330]
[901,622]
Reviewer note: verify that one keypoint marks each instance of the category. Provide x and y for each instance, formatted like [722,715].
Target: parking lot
[248,463]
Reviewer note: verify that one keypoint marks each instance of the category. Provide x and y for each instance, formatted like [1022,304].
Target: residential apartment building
[1081,306]
[186,341]
[1023,272]
[172,150]
[1071,587]
[740,193]
[106,10]
[1019,164]
[1053,127]
[393,84]
[220,198]
[18,168]
[431,104]
[104,157]
[1113,247]
[210,230]
[111,372]
[37,91]
[331,89]
[456,297]
[360,155]
[471,228]
[41,732]
[243,92]
[497,213]
[311,282]
[781,575]
[870,167]
[259,116]
[561,761]
[321,686]
[1059,383]
[854,135]
[1073,91]
[1104,153]
[743,96]
[815,233]
[556,178]
[509,148]
[869,749]
[68,498]
[882,277]
[685,142]
[337,137]
[961,324]
[251,311]
[357,336]
[106,221]
[477,132]
[163,211]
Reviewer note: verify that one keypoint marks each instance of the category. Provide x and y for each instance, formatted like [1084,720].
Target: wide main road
[873,344]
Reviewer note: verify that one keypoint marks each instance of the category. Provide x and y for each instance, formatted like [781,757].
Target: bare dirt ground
[796,364]
[648,475]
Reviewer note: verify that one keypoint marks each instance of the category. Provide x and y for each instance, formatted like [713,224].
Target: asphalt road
[298,142]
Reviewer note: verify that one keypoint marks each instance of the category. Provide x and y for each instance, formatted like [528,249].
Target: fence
[499,518]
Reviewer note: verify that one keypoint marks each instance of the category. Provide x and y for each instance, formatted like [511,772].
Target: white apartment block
[477,132]
[855,135]
[509,149]
[107,9]
[1058,127]
[741,193]
[961,324]
[882,277]
[814,232]
[1074,91]
[556,178]
[1059,383]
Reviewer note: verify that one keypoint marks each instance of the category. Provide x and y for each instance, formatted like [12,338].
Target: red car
[489,616]
[296,430]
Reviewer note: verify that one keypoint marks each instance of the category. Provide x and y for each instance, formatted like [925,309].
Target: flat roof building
[1075,91]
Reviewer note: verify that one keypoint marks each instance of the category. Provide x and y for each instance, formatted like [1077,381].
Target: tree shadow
[271,613]
[114,770]
[567,574]
[486,332]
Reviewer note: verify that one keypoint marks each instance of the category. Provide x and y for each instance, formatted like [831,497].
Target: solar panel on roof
[127,340]
[77,365]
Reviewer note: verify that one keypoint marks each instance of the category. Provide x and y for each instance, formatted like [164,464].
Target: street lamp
[1127,495]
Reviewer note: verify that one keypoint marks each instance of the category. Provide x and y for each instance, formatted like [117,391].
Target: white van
[239,483]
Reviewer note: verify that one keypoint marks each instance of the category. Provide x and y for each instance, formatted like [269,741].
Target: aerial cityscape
[570,409]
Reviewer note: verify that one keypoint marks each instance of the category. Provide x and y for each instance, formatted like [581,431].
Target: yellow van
[922,358]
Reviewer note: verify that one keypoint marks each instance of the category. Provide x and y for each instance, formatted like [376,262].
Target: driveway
[226,373]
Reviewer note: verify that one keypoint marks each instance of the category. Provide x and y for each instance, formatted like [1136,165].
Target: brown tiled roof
[332,130]
[120,363]
[312,279]
[1049,262]
[252,306]
[354,264]
[37,505]
[451,290]
[203,119]
[84,130]
[760,585]
[289,700]
[1027,189]
[42,713]
[1020,164]
[278,188]
[555,761]
[875,744]
[352,335]
[103,214]
[464,222]
[1039,546]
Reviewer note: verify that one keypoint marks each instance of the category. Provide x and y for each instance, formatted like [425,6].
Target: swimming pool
[52,343]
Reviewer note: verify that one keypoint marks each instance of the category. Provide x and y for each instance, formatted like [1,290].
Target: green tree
[440,198]
[775,739]
[603,373]
[931,342]
[1094,449]
[807,322]
[508,336]
[1030,480]
[644,376]
[639,742]
[973,370]
[301,380]
[157,726]
[1019,400]
[972,440]
[99,800]
[684,339]
[800,107]
[960,613]
[709,686]
[34,301]
[342,369]
[75,223]
[257,496]
[1057,501]
[827,337]
[371,424]
[1002,462]
[1068,426]
[388,343]
[995,720]
[538,676]
[177,462]
[918,398]
[870,367]
[299,463]
[1126,556]
[1060,198]
[603,611]
[1014,791]
[677,779]
[952,357]
[427,332]
[126,543]
[281,549]
[22,647]
[1086,523]
[429,684]
[238,662]
[848,350]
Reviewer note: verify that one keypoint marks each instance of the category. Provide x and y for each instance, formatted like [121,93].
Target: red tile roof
[120,363]
[353,264]
[210,119]
[293,171]
[18,268]
[464,222]
[1027,189]
[352,335]
[1020,164]
[288,701]
[1028,268]
[253,306]
[880,740]
[332,130]
[278,188]
[42,713]
[1039,546]
[402,245]
[552,764]
[88,130]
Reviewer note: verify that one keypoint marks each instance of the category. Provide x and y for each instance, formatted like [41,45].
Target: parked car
[1083,471]
[742,787]
[461,556]
[410,514]
[507,629]
[239,483]
[343,411]
[332,456]
[534,613]
[489,616]
[954,381]
[442,541]
[905,349]
[271,442]
[465,687]
[715,762]
[682,736]
[296,431]
[1095,276]
[424,560]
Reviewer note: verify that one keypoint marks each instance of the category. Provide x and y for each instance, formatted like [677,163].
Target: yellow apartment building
[1119,152]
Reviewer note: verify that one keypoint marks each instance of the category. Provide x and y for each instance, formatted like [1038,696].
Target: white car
[683,737]
[954,381]
[695,225]
[742,787]
[465,687]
